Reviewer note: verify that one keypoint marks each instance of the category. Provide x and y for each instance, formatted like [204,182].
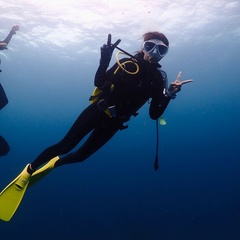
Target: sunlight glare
[56,3]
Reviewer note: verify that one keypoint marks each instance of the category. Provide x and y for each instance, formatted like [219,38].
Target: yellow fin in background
[43,171]
[162,121]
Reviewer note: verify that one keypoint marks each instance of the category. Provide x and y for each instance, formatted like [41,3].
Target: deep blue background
[116,194]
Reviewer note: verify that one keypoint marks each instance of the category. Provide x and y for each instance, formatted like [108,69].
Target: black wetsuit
[130,92]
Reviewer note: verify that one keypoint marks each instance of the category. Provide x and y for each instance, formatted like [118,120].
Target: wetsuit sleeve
[7,39]
[100,76]
[104,76]
[160,100]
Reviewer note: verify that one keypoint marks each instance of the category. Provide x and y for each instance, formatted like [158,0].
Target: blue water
[116,194]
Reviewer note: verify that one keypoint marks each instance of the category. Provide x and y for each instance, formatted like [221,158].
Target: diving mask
[155,48]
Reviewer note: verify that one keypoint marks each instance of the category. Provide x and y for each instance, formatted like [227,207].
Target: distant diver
[3,46]
[120,92]
[4,147]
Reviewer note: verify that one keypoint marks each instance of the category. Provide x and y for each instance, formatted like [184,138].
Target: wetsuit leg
[4,147]
[100,136]
[3,98]
[84,124]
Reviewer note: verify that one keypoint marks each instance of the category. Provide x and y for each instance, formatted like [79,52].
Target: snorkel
[120,49]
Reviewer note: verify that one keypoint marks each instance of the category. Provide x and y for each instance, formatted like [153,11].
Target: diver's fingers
[109,39]
[186,81]
[179,76]
[116,43]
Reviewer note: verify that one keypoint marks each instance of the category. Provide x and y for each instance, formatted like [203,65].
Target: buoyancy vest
[97,92]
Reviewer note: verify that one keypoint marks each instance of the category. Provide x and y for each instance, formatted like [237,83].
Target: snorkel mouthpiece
[154,60]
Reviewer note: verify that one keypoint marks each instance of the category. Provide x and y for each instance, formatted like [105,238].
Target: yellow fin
[162,121]
[12,194]
[43,171]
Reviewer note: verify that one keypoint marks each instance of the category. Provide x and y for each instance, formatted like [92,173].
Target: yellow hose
[122,65]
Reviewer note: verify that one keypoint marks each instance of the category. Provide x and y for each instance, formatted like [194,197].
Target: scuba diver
[120,92]
[3,46]
[4,147]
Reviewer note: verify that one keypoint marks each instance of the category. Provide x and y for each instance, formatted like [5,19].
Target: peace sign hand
[107,50]
[177,84]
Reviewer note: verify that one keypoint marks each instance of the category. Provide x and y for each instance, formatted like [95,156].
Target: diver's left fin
[12,194]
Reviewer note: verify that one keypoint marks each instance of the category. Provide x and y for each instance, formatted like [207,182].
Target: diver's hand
[107,50]
[175,86]
[14,29]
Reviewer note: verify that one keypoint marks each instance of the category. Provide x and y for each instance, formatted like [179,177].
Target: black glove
[107,50]
[14,29]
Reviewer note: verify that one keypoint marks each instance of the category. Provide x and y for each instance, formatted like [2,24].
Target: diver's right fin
[43,171]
